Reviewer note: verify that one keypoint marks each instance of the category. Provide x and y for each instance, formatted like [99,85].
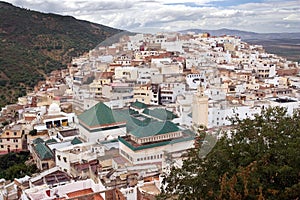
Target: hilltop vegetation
[34,44]
[12,165]
[259,159]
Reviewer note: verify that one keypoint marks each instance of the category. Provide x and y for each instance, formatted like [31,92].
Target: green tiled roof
[139,105]
[50,141]
[98,115]
[160,113]
[76,140]
[142,126]
[133,112]
[129,116]
[154,128]
[38,140]
[43,151]
[123,114]
[136,124]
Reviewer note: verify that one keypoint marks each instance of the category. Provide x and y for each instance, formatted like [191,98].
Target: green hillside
[34,44]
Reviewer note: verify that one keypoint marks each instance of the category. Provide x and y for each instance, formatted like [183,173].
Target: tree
[5,123]
[12,165]
[258,159]
[33,132]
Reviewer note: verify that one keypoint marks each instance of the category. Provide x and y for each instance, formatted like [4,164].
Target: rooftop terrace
[186,136]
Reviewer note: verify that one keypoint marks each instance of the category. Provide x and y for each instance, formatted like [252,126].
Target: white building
[100,123]
[83,188]
[148,144]
[56,118]
[126,73]
[175,46]
[169,92]
[219,114]
[72,159]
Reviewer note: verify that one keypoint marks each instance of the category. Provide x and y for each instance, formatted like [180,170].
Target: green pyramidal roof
[43,151]
[98,115]
[139,125]
[159,113]
[76,140]
[50,141]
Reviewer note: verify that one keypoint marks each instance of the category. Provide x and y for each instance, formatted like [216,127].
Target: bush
[33,132]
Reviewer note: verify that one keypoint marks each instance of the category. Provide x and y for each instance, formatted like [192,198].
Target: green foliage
[12,166]
[5,123]
[34,44]
[259,160]
[33,132]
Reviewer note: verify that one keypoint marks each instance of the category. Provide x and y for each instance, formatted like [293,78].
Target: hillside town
[113,123]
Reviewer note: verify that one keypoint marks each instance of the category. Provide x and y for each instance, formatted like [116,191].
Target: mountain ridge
[35,43]
[246,35]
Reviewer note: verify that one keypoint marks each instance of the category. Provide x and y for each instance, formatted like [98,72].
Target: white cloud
[292,17]
[155,15]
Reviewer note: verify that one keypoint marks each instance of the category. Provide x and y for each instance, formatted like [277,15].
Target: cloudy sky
[173,15]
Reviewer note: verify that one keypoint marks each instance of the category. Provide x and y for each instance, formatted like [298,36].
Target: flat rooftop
[69,132]
[186,136]
[53,117]
[150,189]
[85,193]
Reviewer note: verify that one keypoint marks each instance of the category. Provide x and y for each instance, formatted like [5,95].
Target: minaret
[200,108]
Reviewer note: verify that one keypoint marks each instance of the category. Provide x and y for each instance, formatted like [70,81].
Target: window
[7,133]
[1,146]
[15,133]
[65,159]
[58,157]
[17,146]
